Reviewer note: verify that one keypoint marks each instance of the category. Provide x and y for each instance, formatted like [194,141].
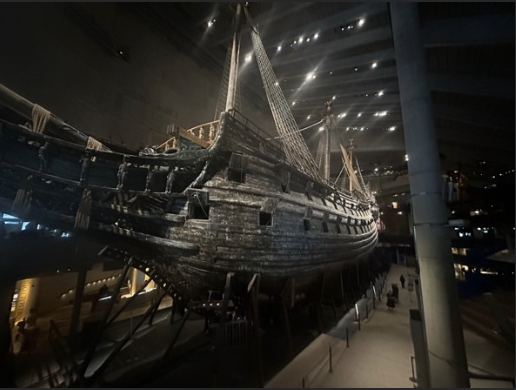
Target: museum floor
[379,355]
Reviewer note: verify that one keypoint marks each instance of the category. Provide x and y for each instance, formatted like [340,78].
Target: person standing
[402,281]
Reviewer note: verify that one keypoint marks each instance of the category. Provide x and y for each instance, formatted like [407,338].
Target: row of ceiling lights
[299,41]
[312,75]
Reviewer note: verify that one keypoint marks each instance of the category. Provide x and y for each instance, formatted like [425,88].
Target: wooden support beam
[253,290]
[101,326]
[122,343]
[221,331]
[128,301]
[287,302]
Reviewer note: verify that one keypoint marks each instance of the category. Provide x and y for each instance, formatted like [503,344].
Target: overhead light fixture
[316,36]
[279,48]
[361,22]
[374,65]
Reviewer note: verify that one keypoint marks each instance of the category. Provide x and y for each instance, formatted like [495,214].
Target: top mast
[233,70]
[327,152]
[351,147]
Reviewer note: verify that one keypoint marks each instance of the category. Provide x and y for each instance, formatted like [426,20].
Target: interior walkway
[379,355]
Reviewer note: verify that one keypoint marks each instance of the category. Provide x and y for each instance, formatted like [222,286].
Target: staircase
[478,317]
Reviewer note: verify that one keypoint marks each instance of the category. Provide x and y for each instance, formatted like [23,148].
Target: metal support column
[445,341]
[287,302]
[77,305]
[6,347]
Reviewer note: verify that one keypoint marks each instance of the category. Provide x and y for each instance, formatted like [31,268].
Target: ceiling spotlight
[374,64]
[359,114]
[279,48]
[293,103]
[210,23]
[333,98]
[248,58]
[301,40]
[316,36]
[321,128]
[392,128]
[361,22]
[380,93]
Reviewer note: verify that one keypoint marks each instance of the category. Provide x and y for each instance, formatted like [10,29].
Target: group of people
[28,332]
[392,295]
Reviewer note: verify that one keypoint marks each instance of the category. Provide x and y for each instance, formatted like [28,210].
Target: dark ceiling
[470,53]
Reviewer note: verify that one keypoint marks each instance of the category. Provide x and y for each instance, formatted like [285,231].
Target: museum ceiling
[344,52]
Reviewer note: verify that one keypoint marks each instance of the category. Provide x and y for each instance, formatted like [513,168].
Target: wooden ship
[218,200]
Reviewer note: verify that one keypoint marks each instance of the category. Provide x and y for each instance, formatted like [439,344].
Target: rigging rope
[294,145]
[300,130]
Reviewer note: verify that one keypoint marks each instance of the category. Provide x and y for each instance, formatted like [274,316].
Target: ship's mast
[350,149]
[233,70]
[327,121]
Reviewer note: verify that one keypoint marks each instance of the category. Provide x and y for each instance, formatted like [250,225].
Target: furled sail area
[356,184]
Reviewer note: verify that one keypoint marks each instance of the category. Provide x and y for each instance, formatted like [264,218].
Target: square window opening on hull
[197,211]
[236,175]
[265,219]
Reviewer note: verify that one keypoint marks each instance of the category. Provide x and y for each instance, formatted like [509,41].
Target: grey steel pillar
[442,321]
[6,347]
[418,340]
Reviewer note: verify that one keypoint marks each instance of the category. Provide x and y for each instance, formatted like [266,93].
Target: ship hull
[235,207]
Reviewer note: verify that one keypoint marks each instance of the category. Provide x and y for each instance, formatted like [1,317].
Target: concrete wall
[48,58]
